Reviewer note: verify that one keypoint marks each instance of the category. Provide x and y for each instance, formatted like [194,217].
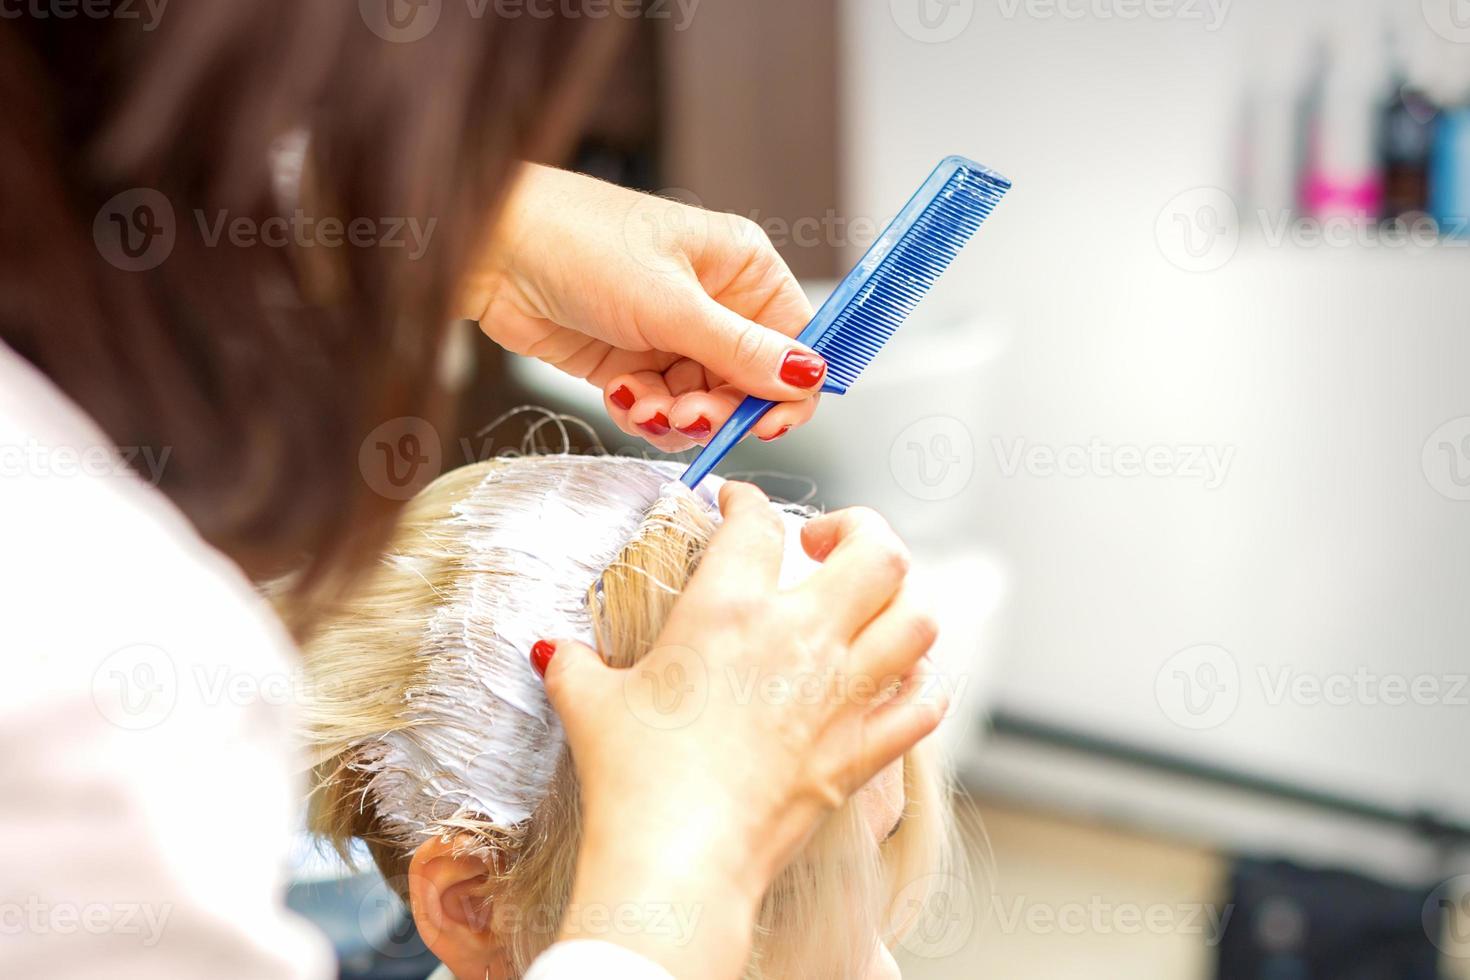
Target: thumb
[575,677]
[756,359]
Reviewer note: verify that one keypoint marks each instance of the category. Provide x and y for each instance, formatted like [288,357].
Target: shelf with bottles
[1352,132]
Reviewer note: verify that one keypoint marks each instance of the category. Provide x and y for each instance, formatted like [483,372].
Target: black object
[371,931]
[1294,923]
[1405,137]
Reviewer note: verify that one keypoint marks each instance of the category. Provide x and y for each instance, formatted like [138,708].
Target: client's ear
[446,893]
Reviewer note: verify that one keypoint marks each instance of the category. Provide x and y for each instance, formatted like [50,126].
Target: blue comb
[880,293]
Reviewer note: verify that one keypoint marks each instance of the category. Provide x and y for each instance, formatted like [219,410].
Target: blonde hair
[367,661]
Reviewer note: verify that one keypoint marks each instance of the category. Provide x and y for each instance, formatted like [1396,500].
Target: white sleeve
[581,958]
[146,791]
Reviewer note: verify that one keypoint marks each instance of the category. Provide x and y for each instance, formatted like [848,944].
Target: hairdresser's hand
[705,768]
[674,312]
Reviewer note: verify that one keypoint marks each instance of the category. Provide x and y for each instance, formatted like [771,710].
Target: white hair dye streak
[483,739]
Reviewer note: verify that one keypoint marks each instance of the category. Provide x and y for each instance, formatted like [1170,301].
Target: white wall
[1325,550]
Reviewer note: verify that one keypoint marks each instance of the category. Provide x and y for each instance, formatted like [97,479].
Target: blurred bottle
[1406,137]
[1449,173]
[1276,109]
[1343,178]
[1442,72]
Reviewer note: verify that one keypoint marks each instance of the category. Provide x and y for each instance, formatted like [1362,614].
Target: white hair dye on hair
[426,719]
[482,738]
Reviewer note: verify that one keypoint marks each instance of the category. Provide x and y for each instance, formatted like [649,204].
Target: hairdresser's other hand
[706,767]
[675,312]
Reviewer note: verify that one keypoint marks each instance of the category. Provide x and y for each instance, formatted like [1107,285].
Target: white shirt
[147,776]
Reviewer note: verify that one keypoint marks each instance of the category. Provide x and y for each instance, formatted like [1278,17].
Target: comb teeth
[907,272]
[876,297]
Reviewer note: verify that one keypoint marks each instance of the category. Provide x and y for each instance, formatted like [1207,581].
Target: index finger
[863,565]
[744,555]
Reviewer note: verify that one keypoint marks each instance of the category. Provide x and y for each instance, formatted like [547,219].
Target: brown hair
[262,369]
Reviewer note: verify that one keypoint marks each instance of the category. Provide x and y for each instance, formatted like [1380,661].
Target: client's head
[435,744]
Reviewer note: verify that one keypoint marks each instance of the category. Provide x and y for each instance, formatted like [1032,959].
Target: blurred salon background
[1182,445]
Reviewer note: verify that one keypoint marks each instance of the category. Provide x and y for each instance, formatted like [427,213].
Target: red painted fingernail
[784,429]
[802,370]
[541,656]
[697,429]
[656,426]
[623,398]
